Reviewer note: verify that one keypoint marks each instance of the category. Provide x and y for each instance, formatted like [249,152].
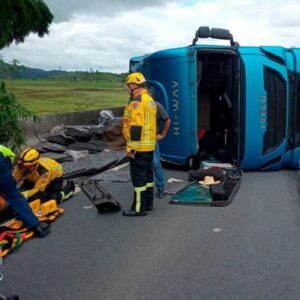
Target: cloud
[65,10]
[99,37]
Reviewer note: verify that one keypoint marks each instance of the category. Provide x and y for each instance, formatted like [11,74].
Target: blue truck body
[246,97]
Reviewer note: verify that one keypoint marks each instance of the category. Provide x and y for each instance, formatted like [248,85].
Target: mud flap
[103,201]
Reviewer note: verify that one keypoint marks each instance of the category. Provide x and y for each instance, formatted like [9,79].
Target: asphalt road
[247,250]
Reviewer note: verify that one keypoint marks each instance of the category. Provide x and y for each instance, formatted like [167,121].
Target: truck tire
[194,162]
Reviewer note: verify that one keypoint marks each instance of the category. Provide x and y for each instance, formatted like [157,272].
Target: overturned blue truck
[237,103]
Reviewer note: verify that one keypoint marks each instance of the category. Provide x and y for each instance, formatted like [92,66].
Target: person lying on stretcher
[42,177]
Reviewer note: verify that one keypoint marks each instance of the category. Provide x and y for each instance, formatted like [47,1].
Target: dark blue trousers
[8,189]
[141,171]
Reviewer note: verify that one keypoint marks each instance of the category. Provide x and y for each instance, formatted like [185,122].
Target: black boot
[71,185]
[42,229]
[132,213]
[68,191]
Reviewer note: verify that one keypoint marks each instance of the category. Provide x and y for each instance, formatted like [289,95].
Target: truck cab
[230,103]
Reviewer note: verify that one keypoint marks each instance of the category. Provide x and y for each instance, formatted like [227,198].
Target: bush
[11,112]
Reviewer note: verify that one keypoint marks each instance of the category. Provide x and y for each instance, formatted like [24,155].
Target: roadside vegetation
[26,92]
[48,96]
[18,19]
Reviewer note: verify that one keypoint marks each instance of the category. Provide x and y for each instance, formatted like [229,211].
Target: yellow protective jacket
[47,170]
[139,123]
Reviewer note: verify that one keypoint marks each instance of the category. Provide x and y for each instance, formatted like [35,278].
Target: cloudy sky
[103,35]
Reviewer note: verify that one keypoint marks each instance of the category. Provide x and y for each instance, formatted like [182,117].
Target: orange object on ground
[35,205]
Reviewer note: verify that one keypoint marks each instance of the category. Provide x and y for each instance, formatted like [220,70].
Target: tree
[10,114]
[10,70]
[18,18]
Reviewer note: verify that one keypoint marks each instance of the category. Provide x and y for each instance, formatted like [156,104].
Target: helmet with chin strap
[137,78]
[28,157]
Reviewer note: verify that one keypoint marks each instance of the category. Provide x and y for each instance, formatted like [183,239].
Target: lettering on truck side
[175,108]
[263,112]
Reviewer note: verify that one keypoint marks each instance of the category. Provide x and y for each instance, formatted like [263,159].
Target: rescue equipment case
[98,195]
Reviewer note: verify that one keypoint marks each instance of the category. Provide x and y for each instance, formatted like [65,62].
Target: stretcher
[13,233]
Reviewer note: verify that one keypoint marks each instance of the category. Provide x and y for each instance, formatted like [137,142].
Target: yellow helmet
[137,78]
[28,157]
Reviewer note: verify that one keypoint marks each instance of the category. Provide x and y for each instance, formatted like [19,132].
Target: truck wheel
[194,162]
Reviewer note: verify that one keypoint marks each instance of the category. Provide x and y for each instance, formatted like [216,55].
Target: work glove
[24,194]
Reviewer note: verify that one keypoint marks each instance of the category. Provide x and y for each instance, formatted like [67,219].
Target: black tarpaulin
[78,132]
[51,147]
[122,175]
[92,146]
[59,139]
[59,157]
[93,163]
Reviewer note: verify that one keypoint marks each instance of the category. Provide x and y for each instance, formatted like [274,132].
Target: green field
[54,96]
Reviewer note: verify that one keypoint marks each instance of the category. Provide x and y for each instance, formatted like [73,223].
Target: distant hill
[10,71]
[33,73]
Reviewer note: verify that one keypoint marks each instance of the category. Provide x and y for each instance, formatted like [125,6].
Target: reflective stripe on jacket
[139,123]
[48,169]
[7,153]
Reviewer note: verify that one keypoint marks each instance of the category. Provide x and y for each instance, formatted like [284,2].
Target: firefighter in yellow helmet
[11,194]
[139,131]
[42,177]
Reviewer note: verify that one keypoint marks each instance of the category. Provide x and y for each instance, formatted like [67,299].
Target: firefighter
[42,177]
[18,204]
[139,130]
